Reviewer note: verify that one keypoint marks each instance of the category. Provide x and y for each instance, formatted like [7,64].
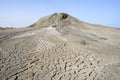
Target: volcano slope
[60,47]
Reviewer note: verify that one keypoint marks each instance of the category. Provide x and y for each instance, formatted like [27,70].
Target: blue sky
[19,13]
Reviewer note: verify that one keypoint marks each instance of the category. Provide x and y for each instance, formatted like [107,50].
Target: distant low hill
[4,28]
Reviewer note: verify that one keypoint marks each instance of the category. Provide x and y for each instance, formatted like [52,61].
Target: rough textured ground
[60,47]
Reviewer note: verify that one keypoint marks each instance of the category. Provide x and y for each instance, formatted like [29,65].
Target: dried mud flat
[60,47]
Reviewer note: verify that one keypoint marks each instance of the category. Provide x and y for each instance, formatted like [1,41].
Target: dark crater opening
[64,16]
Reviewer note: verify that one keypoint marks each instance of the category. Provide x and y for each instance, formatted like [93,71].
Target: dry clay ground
[60,47]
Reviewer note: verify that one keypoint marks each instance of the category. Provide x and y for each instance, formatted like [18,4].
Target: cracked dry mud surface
[59,51]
